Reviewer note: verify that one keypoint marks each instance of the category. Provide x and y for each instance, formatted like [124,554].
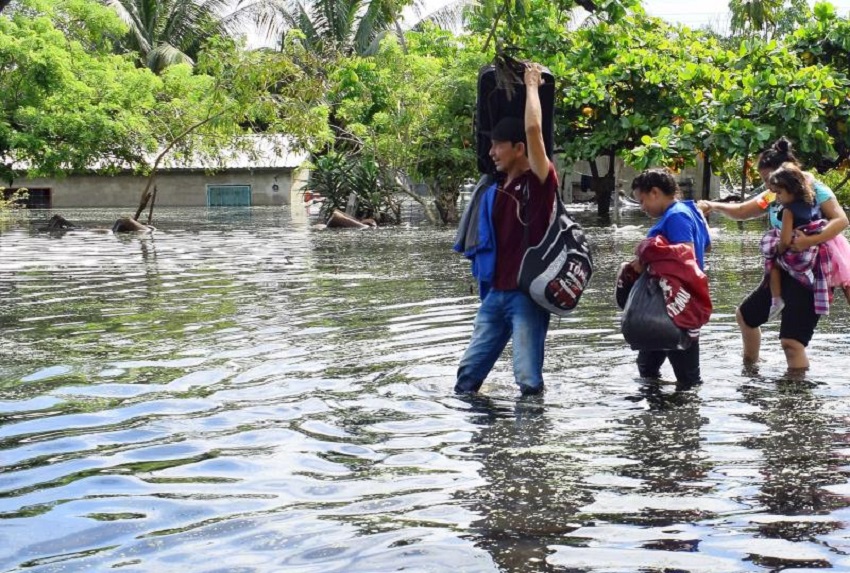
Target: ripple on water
[252,395]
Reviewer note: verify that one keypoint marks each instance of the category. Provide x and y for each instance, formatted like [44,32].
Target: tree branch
[146,193]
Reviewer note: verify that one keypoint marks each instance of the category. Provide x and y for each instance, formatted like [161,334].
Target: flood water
[240,392]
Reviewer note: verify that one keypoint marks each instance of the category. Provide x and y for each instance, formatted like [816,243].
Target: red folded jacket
[684,284]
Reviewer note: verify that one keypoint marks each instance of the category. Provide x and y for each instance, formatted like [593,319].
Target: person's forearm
[737,211]
[533,110]
[535,147]
[727,210]
[832,229]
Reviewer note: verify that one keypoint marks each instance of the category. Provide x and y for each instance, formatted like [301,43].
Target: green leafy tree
[71,105]
[524,23]
[206,111]
[445,157]
[825,42]
[635,89]
[769,94]
[67,102]
[762,93]
[412,112]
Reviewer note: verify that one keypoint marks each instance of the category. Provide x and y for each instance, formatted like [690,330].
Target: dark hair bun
[782,145]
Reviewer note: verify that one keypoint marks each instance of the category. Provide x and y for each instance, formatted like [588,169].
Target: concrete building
[265,172]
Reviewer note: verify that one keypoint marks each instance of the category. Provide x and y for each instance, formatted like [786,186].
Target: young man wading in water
[520,205]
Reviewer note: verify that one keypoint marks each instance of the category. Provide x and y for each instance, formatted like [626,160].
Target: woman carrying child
[810,266]
[799,318]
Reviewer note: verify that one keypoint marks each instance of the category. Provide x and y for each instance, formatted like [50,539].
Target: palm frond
[266,16]
[129,13]
[165,55]
[371,24]
[452,16]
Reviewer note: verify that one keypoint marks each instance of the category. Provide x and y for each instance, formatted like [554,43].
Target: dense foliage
[67,102]
[85,90]
[411,112]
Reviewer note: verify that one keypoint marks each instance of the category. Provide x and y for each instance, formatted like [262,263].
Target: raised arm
[749,209]
[537,158]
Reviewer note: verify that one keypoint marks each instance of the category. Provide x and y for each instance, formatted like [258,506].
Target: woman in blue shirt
[680,222]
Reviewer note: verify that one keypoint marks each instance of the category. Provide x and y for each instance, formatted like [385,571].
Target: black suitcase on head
[494,103]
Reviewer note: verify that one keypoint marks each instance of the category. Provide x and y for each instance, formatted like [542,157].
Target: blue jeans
[503,315]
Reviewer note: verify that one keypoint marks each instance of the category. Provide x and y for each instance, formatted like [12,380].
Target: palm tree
[166,32]
[755,16]
[341,26]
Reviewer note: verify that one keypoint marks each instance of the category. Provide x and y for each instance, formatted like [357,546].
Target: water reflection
[664,440]
[797,448]
[798,462]
[239,392]
[531,495]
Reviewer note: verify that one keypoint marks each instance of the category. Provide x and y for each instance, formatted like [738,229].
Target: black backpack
[556,271]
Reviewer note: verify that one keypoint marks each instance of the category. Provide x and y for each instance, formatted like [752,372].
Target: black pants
[798,320]
[685,363]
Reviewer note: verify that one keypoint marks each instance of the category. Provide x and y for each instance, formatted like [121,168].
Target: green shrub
[335,176]
[837,179]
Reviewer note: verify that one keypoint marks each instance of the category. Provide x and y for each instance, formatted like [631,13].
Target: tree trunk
[430,212]
[143,202]
[153,200]
[146,194]
[706,177]
[603,186]
[446,202]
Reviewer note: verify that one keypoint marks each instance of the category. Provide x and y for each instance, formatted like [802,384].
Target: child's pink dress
[839,253]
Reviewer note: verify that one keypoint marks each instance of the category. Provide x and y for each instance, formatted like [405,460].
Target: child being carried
[819,267]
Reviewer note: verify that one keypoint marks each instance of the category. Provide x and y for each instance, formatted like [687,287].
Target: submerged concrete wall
[174,188]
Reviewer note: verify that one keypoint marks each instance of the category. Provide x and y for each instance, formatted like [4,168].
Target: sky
[692,13]
[699,13]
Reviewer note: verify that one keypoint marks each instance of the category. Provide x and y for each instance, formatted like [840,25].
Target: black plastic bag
[645,323]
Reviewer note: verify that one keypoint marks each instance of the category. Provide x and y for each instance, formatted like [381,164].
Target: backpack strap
[523,214]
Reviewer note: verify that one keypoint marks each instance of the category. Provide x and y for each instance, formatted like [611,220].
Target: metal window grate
[228,195]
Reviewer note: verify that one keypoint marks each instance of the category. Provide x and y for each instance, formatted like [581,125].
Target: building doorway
[34,198]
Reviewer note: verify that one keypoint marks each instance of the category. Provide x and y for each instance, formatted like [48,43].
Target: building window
[228,195]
